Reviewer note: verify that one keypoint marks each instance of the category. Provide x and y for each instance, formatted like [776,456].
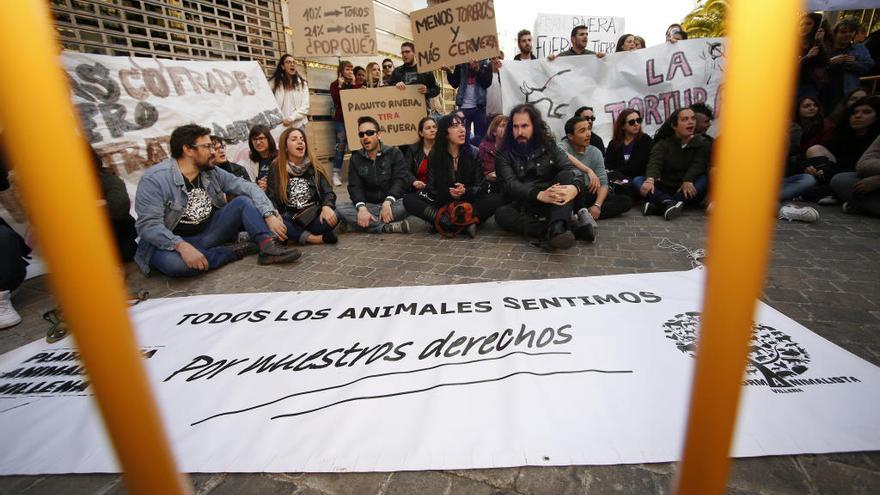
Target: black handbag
[306,216]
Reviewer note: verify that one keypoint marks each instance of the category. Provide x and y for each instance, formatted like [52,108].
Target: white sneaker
[337,181]
[8,316]
[799,213]
[827,200]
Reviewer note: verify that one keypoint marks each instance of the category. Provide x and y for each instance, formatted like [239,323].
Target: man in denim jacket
[184,218]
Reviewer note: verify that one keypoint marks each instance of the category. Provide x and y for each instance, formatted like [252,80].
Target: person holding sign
[408,73]
[455,182]
[291,92]
[540,180]
[344,80]
[377,179]
[471,80]
[183,218]
[676,171]
[300,189]
[579,37]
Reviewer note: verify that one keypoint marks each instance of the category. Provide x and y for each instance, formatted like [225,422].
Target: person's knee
[565,177]
[9,242]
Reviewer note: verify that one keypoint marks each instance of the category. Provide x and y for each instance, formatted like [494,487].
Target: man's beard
[522,147]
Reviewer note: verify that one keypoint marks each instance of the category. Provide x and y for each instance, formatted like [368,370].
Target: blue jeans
[225,225]
[299,234]
[664,194]
[796,185]
[340,147]
[477,116]
[348,213]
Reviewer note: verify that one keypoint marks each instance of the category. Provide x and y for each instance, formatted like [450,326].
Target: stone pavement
[826,276]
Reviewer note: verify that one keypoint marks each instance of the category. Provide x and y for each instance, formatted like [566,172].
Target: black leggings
[422,206]
[12,266]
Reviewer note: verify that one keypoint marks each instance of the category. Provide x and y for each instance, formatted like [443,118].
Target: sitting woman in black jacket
[628,152]
[455,174]
[301,191]
[416,155]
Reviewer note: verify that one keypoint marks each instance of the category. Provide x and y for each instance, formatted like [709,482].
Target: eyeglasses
[590,118]
[259,138]
[219,146]
[634,121]
[207,146]
[371,132]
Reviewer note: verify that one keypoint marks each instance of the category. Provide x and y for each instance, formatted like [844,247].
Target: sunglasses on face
[634,121]
[371,132]
[387,66]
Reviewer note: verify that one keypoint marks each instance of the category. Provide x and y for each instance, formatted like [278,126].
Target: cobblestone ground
[826,276]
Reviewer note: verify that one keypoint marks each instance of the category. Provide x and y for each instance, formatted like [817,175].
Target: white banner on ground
[130,105]
[543,372]
[654,80]
[553,32]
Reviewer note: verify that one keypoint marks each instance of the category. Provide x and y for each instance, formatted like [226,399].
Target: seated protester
[471,80]
[300,190]
[488,148]
[455,175]
[377,180]
[850,140]
[540,180]
[846,102]
[595,139]
[115,198]
[220,161]
[600,204]
[703,115]
[676,171]
[815,128]
[628,152]
[263,151]
[183,218]
[860,190]
[13,265]
[416,155]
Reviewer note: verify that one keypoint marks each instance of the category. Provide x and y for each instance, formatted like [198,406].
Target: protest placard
[398,112]
[454,32]
[553,32]
[322,30]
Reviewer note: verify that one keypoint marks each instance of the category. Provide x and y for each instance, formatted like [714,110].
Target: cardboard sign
[322,30]
[454,32]
[553,32]
[398,113]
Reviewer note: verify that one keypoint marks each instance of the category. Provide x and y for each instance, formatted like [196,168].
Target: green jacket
[671,164]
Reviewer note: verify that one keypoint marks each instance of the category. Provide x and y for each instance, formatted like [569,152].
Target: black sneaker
[585,226]
[674,210]
[273,252]
[242,249]
[401,227]
[330,237]
[651,209]
[471,230]
[559,236]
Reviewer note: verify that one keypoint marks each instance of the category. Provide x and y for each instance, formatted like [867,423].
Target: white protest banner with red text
[655,81]
[454,32]
[540,372]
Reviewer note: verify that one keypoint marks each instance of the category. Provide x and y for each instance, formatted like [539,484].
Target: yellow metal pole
[756,105]
[60,190]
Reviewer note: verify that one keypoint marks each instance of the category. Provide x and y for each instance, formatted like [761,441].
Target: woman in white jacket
[291,92]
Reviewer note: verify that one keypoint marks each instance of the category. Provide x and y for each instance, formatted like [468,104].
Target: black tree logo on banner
[773,354]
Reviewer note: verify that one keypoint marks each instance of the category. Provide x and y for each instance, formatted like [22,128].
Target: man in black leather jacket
[539,179]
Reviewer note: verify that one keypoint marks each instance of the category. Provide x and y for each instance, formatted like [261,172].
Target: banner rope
[694,255]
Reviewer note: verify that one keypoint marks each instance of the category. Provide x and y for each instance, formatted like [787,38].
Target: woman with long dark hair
[416,155]
[455,174]
[263,151]
[846,102]
[291,92]
[300,190]
[626,43]
[628,151]
[815,128]
[676,171]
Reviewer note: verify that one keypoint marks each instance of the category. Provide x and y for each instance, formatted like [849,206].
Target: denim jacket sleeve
[237,186]
[149,204]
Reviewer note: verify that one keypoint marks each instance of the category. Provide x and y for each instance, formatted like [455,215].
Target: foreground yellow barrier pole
[60,190]
[756,105]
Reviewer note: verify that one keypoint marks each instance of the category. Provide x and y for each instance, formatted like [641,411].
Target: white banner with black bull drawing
[128,106]
[655,80]
[545,372]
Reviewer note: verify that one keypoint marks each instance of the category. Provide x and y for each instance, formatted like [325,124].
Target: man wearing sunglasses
[595,139]
[185,222]
[377,179]
[387,69]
